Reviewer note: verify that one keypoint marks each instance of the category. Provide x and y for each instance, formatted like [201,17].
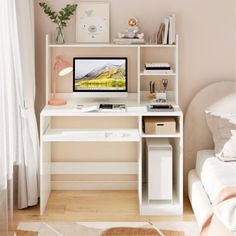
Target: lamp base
[57,102]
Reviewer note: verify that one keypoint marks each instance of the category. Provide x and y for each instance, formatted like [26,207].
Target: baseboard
[94,185]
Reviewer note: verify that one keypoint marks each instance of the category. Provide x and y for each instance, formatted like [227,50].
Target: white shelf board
[69,111]
[176,135]
[173,207]
[157,74]
[93,45]
[91,135]
[94,185]
[132,111]
[109,45]
[94,168]
[158,46]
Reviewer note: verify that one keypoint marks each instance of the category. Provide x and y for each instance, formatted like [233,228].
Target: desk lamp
[61,68]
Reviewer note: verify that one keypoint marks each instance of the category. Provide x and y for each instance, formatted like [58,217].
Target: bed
[205,174]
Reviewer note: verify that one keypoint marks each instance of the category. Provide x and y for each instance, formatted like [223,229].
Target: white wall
[206,30]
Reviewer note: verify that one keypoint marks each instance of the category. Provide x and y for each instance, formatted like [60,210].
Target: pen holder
[151,96]
[161,97]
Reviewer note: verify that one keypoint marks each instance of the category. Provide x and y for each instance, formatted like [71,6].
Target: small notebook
[107,107]
[160,107]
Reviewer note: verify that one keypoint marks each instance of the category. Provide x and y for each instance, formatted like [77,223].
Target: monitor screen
[100,74]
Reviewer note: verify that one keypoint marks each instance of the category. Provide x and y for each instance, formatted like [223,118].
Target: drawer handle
[160,124]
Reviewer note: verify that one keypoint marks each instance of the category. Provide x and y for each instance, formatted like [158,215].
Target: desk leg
[45,166]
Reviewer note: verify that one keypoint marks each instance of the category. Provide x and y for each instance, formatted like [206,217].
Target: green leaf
[62,16]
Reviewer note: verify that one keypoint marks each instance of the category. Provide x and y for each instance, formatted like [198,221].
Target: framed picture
[92,22]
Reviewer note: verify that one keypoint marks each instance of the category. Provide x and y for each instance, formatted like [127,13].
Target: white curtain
[19,136]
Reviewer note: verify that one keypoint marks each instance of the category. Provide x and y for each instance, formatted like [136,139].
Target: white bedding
[214,174]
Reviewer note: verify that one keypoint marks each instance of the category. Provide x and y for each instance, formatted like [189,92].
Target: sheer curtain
[19,143]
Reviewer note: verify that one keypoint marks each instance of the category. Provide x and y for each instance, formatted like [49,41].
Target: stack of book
[160,107]
[155,67]
[128,41]
[107,107]
[166,32]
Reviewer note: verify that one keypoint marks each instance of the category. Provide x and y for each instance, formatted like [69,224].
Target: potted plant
[60,18]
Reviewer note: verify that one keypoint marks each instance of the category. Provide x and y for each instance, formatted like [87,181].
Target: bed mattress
[214,174]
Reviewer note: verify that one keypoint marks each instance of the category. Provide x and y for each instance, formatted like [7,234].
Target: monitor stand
[102,100]
[96,100]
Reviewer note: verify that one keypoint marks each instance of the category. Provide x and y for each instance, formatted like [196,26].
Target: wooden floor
[94,206]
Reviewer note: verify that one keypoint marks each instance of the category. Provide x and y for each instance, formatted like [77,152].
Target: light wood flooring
[94,206]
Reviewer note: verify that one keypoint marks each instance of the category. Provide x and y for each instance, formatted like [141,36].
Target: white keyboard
[116,135]
[85,134]
[95,134]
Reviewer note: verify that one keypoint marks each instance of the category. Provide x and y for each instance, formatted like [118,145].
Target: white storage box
[159,169]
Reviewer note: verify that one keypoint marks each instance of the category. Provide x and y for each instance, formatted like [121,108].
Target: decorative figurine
[133,30]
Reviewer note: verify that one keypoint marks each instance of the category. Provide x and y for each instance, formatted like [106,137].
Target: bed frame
[219,97]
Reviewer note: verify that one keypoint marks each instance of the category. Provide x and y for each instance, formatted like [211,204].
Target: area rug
[96,228]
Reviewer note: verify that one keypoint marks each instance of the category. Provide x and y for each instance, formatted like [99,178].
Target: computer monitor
[100,76]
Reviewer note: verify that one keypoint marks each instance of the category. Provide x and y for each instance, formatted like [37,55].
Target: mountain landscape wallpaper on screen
[105,76]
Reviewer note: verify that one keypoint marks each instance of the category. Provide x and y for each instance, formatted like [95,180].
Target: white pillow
[223,129]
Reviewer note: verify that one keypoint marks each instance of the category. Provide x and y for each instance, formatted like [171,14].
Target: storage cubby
[159,54]
[157,207]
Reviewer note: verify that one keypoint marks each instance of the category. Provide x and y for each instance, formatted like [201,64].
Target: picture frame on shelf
[93,22]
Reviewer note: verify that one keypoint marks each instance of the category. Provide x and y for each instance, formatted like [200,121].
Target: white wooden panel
[45,168]
[94,168]
[110,46]
[45,177]
[95,135]
[177,70]
[140,177]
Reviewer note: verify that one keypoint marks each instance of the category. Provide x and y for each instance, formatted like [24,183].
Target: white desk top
[68,110]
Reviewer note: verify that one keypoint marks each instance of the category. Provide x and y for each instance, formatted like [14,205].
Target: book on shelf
[160,107]
[128,41]
[166,31]
[160,33]
[155,67]
[174,29]
[171,33]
